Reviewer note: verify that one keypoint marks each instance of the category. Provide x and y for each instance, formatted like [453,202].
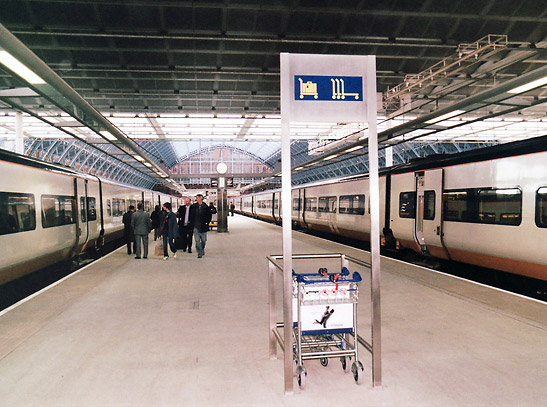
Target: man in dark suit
[200,216]
[141,224]
[186,228]
[169,230]
[128,230]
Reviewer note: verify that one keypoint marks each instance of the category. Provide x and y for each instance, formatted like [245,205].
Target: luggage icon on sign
[308,89]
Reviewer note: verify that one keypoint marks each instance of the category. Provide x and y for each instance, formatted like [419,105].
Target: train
[50,213]
[486,207]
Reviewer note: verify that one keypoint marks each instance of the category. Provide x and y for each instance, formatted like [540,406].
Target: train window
[17,212]
[131,202]
[407,204]
[83,209]
[484,205]
[91,209]
[108,208]
[58,210]
[147,206]
[310,204]
[456,206]
[500,206]
[91,213]
[327,204]
[296,203]
[429,205]
[352,204]
[118,207]
[541,207]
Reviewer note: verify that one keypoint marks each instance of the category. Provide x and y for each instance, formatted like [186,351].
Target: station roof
[173,77]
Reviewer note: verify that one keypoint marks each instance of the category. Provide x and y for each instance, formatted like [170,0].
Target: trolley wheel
[358,371]
[324,362]
[344,360]
[301,376]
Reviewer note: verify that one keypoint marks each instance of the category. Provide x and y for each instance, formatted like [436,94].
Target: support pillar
[222,208]
[19,137]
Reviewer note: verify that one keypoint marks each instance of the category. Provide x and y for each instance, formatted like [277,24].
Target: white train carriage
[49,214]
[487,208]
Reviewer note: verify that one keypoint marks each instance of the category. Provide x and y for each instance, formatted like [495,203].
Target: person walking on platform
[141,224]
[232,208]
[156,221]
[128,230]
[200,216]
[186,229]
[212,208]
[169,230]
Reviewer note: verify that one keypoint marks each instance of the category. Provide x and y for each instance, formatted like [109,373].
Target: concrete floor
[194,332]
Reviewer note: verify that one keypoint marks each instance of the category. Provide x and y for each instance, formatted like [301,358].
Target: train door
[277,207]
[303,206]
[428,225]
[83,224]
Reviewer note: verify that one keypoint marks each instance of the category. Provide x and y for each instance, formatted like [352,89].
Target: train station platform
[194,332]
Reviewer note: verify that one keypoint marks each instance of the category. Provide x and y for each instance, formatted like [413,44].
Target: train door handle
[438,230]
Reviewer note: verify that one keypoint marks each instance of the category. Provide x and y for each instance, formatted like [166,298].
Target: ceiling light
[138,157]
[18,68]
[148,165]
[107,135]
[299,168]
[349,150]
[445,116]
[330,157]
[535,84]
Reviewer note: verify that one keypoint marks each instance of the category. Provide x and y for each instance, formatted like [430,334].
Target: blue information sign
[328,88]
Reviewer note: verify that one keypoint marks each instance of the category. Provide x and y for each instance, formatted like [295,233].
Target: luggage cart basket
[325,321]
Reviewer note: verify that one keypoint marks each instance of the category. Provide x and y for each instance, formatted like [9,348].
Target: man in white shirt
[186,229]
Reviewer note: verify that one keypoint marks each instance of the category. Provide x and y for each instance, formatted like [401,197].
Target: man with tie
[186,229]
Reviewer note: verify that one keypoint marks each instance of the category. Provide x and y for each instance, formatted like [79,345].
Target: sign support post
[329,88]
[374,191]
[286,223]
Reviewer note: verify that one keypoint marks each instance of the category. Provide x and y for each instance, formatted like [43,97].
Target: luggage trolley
[325,320]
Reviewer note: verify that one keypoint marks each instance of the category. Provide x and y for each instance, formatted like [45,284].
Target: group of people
[193,222]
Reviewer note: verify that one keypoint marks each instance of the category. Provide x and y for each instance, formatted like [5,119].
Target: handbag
[158,250]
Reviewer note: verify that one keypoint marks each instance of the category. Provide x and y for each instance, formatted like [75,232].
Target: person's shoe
[200,256]
[183,250]
[145,257]
[174,255]
[138,258]
[189,251]
[166,258]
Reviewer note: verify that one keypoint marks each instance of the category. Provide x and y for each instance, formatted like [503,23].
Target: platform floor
[194,332]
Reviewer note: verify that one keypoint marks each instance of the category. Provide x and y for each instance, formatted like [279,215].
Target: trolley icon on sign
[338,90]
[308,89]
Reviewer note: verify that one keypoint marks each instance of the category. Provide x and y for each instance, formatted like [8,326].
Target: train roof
[12,157]
[513,149]
[517,148]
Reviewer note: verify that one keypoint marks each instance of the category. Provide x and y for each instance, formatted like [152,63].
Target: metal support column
[287,223]
[222,209]
[374,225]
[19,140]
[389,157]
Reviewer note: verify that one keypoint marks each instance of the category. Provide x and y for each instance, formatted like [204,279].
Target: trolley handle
[356,278]
[323,271]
